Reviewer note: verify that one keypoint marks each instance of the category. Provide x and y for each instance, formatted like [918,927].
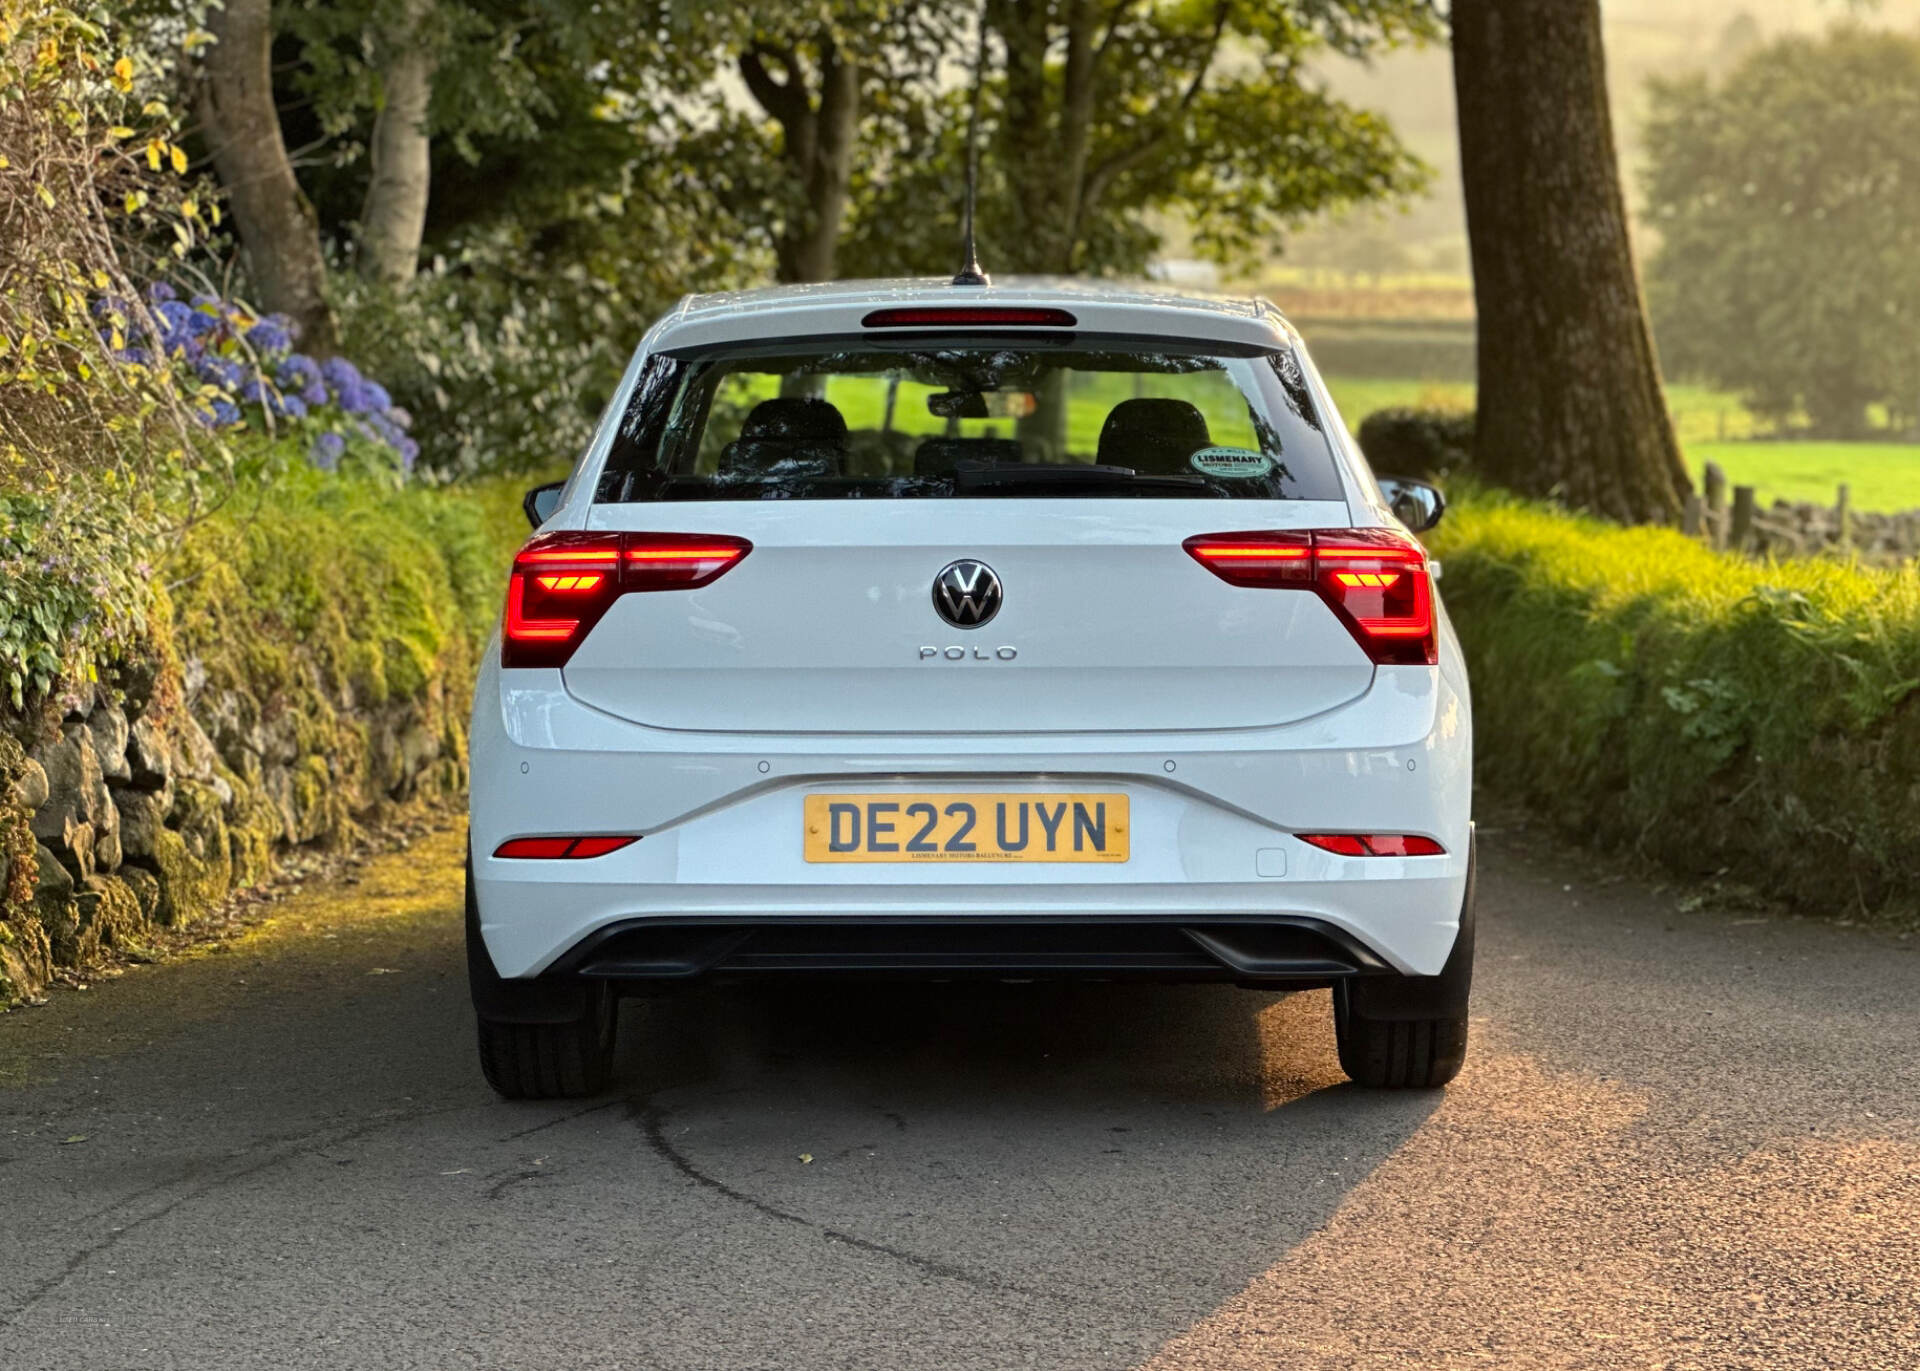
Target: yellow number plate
[966,828]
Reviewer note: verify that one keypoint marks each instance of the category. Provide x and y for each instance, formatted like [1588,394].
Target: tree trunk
[1037,141]
[394,216]
[819,146]
[1570,400]
[276,224]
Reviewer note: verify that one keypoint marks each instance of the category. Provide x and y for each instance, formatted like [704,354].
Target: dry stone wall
[126,815]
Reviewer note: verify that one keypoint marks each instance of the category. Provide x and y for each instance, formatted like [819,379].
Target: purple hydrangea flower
[340,373]
[160,292]
[327,450]
[271,334]
[220,414]
[288,406]
[173,318]
[222,372]
[298,372]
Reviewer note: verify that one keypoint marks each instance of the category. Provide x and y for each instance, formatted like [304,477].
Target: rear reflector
[1374,844]
[570,848]
[942,316]
[564,582]
[1375,579]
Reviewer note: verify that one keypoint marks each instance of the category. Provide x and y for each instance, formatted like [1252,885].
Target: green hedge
[385,590]
[1718,714]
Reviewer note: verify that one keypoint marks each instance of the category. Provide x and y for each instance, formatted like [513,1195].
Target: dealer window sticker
[1232,462]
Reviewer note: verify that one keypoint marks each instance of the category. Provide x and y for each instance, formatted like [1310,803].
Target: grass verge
[1758,722]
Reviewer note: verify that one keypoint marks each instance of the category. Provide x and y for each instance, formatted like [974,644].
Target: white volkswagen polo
[1012,631]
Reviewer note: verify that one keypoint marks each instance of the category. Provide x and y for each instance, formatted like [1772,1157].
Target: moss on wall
[307,666]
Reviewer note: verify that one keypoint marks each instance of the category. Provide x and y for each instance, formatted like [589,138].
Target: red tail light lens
[659,561]
[551,849]
[1262,560]
[1374,844]
[1375,579]
[564,582]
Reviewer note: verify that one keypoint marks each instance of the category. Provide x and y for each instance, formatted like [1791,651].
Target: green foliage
[1716,713]
[1785,199]
[1430,443]
[386,592]
[1196,110]
[88,171]
[92,451]
[505,351]
[75,579]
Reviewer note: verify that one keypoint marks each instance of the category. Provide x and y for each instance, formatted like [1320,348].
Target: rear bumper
[1263,951]
[1217,885]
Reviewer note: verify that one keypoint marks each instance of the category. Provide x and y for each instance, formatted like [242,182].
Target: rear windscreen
[1034,415]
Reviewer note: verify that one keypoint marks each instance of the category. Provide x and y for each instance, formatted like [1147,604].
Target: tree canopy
[581,162]
[1787,202]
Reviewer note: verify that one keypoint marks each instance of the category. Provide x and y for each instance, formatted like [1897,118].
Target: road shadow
[1145,1149]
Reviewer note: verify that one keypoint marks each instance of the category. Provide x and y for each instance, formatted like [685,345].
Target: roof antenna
[971,273]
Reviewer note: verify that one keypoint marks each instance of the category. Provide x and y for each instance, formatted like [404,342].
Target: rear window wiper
[967,476]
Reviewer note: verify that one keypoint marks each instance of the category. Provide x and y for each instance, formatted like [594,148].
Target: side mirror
[1416,504]
[542,501]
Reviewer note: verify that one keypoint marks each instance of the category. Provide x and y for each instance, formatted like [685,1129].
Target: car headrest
[1154,435]
[799,435]
[795,419]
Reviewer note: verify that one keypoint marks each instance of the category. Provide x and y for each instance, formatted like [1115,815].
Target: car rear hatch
[829,624]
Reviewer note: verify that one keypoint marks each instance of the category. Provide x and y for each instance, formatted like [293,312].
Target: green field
[1880,476]
[1701,415]
[1713,427]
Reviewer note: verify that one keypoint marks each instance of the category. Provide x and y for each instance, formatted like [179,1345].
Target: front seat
[1154,435]
[802,435]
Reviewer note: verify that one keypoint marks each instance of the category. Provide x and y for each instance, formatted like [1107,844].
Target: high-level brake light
[564,582]
[1375,579]
[946,316]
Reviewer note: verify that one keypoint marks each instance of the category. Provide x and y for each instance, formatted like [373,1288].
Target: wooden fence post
[1714,480]
[1843,514]
[1740,534]
[1690,515]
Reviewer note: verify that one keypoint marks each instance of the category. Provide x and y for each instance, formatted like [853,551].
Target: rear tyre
[1409,1032]
[547,1061]
[541,1039]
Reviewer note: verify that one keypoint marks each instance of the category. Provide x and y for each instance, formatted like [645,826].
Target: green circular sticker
[1231,461]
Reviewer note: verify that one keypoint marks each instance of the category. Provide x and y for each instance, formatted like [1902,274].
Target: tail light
[1374,844]
[563,583]
[1375,579]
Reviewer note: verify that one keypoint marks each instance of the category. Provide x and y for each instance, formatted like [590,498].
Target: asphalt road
[1682,1140]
